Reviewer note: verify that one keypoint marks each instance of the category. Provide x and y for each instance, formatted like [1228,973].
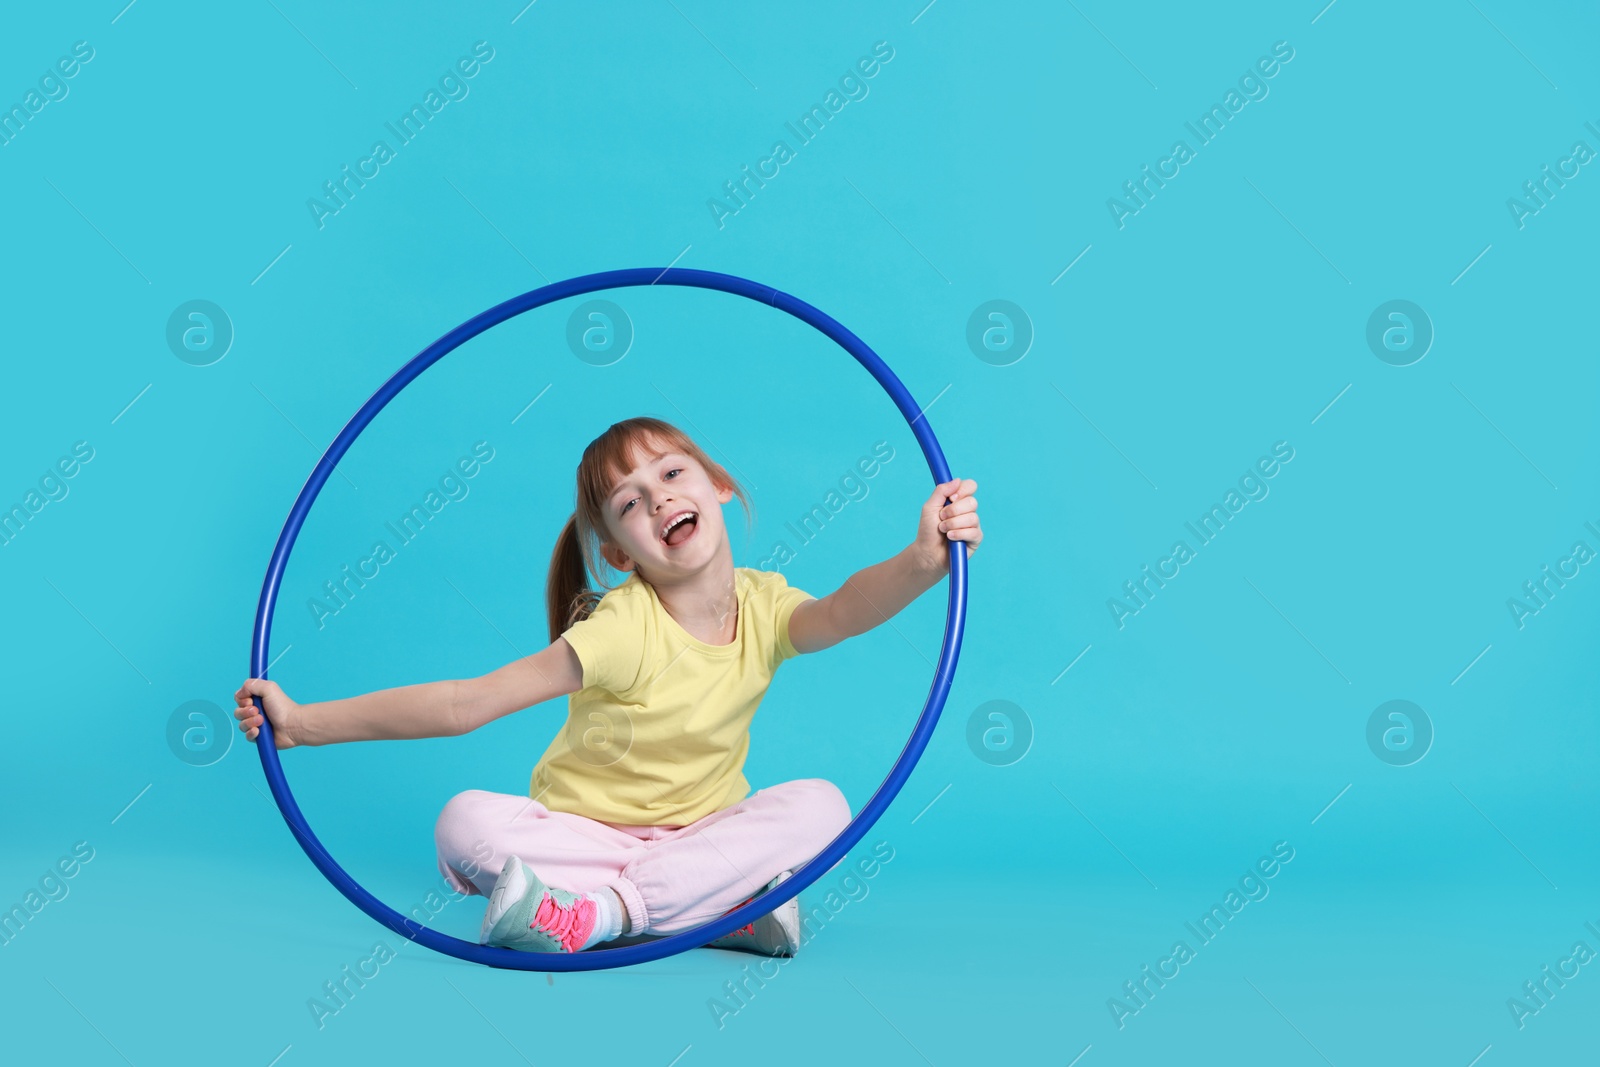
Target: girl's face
[664,517]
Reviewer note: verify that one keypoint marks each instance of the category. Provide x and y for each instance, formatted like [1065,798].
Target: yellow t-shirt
[659,732]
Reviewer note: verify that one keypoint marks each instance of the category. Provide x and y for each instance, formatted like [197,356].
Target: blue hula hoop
[597,958]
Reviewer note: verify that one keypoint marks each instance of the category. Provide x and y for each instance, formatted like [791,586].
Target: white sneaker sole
[508,889]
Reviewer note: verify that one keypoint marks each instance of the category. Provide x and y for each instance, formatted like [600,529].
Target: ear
[724,494]
[616,557]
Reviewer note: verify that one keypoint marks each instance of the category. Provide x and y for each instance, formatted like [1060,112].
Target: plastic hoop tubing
[597,959]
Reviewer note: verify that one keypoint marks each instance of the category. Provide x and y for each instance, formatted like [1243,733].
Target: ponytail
[568,597]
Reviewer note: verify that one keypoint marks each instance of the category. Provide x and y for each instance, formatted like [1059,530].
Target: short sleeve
[610,642]
[782,598]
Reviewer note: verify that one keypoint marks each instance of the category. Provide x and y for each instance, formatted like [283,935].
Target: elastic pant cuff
[638,917]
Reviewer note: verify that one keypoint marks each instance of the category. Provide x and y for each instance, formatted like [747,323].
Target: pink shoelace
[571,924]
[748,929]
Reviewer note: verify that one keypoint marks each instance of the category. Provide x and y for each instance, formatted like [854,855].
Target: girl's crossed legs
[670,878]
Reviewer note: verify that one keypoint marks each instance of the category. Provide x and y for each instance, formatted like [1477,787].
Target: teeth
[676,523]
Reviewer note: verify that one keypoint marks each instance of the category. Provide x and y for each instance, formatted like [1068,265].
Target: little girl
[639,810]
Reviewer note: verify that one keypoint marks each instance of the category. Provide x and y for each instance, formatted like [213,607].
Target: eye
[629,504]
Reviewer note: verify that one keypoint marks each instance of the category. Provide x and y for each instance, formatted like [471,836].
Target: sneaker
[527,915]
[776,933]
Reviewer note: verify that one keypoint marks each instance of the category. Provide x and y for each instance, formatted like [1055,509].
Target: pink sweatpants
[671,878]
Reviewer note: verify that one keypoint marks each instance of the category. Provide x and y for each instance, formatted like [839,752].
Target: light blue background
[1227,315]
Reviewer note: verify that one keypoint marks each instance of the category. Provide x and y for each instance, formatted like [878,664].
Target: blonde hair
[608,459]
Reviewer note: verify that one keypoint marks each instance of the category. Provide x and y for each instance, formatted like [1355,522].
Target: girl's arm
[429,709]
[876,594]
[522,683]
[869,597]
[405,713]
[412,711]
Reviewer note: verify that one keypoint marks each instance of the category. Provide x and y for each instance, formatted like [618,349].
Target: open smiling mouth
[682,530]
